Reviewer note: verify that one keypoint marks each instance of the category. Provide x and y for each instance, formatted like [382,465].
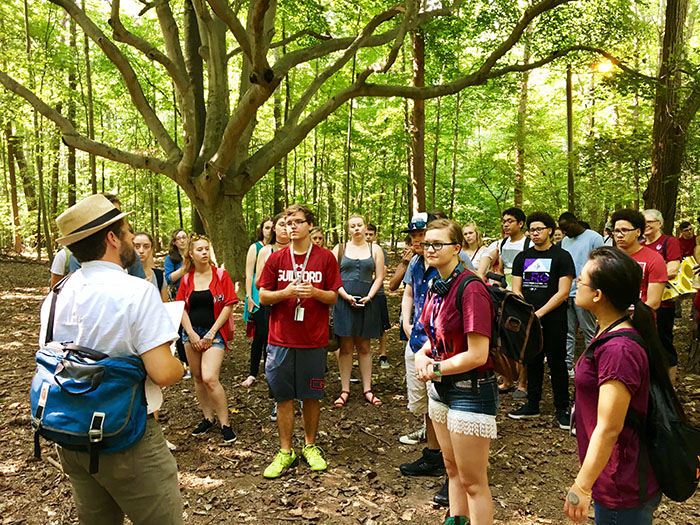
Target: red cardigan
[221,288]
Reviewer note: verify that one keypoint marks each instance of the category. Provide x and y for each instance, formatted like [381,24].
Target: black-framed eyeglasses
[296,223]
[437,246]
[623,231]
[537,230]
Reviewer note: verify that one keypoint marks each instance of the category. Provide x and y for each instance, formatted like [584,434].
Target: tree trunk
[670,122]
[436,145]
[418,125]
[455,143]
[278,182]
[72,183]
[569,142]
[13,189]
[27,183]
[520,131]
[90,112]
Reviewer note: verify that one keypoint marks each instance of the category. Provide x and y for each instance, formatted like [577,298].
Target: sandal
[342,399]
[372,399]
[508,390]
[248,382]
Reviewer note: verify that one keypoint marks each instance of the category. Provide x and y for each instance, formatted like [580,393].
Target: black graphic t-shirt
[541,271]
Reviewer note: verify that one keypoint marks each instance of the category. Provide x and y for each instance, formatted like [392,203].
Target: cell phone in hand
[358,298]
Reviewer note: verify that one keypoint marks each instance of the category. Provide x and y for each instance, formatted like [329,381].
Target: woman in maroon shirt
[612,377]
[463,396]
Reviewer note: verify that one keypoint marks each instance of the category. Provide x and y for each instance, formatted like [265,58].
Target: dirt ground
[532,464]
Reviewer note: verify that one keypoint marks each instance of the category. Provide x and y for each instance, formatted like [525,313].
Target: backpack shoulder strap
[463,285]
[595,344]
[500,246]
[341,252]
[526,244]
[159,277]
[663,247]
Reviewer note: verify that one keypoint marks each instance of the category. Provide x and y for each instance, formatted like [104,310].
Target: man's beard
[127,256]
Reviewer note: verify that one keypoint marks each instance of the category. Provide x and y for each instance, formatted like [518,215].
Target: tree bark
[571,203]
[672,115]
[455,144]
[520,131]
[433,174]
[24,173]
[418,125]
[16,233]
[72,182]
[92,159]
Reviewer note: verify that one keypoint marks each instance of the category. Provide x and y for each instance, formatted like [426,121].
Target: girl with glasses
[611,377]
[463,394]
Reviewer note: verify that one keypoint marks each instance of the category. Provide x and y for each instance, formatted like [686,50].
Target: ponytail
[644,321]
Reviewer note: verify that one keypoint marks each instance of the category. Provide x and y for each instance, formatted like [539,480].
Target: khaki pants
[140,482]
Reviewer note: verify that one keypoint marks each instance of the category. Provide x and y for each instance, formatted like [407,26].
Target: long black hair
[619,278]
[173,252]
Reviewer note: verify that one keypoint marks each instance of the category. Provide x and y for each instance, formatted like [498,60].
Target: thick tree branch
[75,140]
[127,72]
[259,42]
[320,79]
[121,34]
[223,11]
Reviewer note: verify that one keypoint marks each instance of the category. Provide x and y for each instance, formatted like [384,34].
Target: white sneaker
[415,437]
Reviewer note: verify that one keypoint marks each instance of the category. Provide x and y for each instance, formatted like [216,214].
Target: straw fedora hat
[88,216]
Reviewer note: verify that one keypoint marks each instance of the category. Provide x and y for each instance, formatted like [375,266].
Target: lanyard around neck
[299,274]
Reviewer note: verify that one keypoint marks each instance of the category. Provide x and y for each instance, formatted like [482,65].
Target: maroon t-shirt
[653,269]
[322,271]
[687,246]
[447,327]
[620,359]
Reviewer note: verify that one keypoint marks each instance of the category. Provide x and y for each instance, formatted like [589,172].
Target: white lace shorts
[458,415]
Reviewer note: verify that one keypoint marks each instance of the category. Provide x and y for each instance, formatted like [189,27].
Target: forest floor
[531,466]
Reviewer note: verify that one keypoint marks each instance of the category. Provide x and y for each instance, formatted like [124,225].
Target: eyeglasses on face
[296,223]
[437,246]
[623,231]
[507,221]
[181,237]
[579,282]
[537,230]
[650,221]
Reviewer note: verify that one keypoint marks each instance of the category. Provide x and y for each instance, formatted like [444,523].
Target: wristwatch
[436,369]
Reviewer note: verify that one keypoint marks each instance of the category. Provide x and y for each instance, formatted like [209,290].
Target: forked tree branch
[223,11]
[128,74]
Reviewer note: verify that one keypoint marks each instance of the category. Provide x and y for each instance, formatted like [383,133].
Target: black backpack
[516,332]
[670,442]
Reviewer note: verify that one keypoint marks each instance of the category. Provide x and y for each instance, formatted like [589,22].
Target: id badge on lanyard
[298,275]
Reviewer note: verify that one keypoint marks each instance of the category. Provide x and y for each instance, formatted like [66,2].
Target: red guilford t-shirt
[672,252]
[322,272]
[653,269]
[451,326]
[619,359]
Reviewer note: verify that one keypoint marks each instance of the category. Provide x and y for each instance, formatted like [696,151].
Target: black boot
[429,464]
[442,496]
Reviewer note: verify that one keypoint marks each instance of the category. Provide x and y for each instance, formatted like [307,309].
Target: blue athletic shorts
[295,373]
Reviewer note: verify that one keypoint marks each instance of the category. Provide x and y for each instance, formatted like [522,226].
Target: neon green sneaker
[314,456]
[282,462]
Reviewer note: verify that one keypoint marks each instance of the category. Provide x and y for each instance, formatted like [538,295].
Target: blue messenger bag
[85,400]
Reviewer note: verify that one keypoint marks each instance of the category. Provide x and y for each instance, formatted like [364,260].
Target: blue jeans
[575,316]
[641,515]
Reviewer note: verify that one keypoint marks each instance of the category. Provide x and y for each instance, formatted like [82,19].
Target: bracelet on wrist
[585,493]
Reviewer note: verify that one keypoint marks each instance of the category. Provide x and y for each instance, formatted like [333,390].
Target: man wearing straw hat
[103,308]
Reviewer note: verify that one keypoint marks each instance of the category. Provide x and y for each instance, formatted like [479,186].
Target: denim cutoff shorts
[466,412]
[218,341]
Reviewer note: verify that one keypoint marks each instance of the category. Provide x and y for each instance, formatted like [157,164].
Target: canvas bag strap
[52,312]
